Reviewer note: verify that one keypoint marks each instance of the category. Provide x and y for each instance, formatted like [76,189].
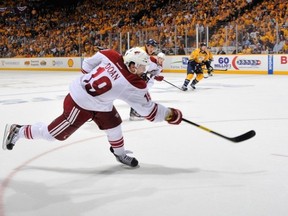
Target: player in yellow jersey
[197,59]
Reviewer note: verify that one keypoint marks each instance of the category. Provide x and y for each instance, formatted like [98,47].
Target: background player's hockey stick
[236,139]
[207,76]
[220,69]
[172,84]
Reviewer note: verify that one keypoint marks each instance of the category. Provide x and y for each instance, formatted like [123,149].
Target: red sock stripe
[152,115]
[28,132]
[117,143]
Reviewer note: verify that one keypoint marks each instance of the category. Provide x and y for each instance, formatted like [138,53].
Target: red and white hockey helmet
[137,56]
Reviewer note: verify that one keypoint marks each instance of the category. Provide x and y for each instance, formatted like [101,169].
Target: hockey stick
[217,69]
[236,139]
[220,69]
[172,84]
[205,77]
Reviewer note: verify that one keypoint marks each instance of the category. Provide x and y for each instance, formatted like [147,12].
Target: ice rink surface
[183,170]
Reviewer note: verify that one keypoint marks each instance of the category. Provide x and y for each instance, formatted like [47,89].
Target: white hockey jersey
[106,78]
[154,69]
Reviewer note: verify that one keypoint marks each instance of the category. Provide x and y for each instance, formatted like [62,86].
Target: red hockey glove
[159,78]
[174,116]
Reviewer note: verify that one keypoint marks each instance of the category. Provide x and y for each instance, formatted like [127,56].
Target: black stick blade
[237,139]
[243,137]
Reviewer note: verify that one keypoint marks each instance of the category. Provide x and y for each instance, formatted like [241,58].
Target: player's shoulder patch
[136,81]
[153,59]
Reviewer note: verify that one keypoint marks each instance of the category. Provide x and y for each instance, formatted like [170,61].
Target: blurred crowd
[39,28]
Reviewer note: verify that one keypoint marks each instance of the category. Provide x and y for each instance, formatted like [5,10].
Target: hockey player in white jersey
[155,69]
[150,48]
[107,76]
[152,73]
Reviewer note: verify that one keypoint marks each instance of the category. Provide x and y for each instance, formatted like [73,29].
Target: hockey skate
[192,86]
[10,136]
[194,82]
[210,71]
[184,88]
[125,159]
[134,116]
